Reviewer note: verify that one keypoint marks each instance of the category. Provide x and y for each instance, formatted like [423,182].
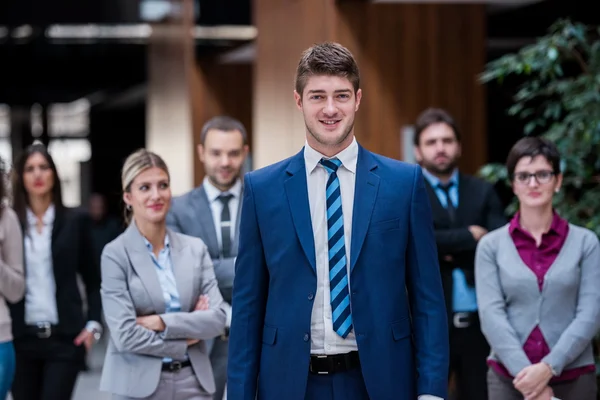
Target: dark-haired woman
[537,281]
[51,332]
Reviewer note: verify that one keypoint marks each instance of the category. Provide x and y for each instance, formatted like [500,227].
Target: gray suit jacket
[130,288]
[191,214]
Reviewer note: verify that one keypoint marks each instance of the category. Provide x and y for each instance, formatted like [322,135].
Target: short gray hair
[223,123]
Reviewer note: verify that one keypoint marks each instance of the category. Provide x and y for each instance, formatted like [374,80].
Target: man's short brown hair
[327,59]
[433,116]
[223,123]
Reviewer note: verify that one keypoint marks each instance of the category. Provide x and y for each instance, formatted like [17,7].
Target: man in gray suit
[211,212]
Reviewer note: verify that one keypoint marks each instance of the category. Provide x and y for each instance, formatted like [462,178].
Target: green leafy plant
[558,97]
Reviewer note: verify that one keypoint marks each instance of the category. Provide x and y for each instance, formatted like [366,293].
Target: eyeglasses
[542,177]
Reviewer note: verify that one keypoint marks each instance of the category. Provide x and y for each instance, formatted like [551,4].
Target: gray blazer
[511,305]
[191,214]
[130,288]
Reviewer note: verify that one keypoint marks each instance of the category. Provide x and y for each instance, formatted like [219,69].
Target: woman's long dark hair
[21,197]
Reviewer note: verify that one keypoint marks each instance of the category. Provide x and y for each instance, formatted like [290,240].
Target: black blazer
[478,204]
[72,254]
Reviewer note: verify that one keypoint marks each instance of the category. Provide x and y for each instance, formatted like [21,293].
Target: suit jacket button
[310,296]
[306,337]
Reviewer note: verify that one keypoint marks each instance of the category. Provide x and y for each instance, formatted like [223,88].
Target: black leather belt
[175,366]
[331,364]
[42,330]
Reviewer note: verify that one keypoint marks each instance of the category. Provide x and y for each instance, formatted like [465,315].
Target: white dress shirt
[40,293]
[216,207]
[324,340]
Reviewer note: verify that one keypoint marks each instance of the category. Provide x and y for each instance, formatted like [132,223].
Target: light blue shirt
[166,277]
[464,298]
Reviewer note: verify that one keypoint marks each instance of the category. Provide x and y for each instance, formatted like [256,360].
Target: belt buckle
[45,330]
[461,320]
[318,372]
[175,366]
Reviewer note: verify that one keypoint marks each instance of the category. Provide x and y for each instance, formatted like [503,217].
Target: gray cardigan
[511,305]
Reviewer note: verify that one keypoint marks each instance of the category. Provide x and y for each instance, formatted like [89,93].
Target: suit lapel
[365,193]
[236,232]
[465,195]
[143,265]
[297,193]
[181,261]
[204,217]
[438,210]
[57,227]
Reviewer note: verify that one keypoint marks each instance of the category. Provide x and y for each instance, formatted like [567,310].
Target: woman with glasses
[537,281]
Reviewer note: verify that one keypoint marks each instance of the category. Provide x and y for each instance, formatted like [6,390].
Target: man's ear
[298,99]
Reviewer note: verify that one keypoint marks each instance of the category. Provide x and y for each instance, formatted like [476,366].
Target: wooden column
[220,89]
[411,56]
[169,130]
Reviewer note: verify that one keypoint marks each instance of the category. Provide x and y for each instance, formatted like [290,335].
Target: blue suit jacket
[398,308]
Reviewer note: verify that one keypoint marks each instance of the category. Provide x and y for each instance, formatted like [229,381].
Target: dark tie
[450,205]
[338,275]
[225,225]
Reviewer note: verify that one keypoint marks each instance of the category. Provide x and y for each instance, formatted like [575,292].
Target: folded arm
[203,324]
[495,325]
[120,316]
[428,310]
[454,240]
[12,278]
[581,331]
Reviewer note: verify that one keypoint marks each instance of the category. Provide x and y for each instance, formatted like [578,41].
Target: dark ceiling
[39,70]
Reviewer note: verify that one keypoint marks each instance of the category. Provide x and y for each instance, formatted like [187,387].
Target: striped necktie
[338,274]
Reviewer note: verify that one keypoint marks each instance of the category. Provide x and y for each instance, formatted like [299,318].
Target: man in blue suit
[337,292]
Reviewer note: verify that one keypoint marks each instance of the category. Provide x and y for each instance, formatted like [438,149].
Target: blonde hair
[135,164]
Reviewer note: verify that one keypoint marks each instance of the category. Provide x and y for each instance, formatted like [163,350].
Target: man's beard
[434,169]
[321,140]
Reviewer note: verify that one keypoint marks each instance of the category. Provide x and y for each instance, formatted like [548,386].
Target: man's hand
[533,380]
[86,338]
[152,322]
[477,231]
[202,304]
[191,342]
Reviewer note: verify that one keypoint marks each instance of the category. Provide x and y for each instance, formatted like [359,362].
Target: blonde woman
[160,296]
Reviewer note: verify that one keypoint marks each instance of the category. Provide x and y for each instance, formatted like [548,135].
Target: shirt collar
[47,219]
[559,226]
[149,245]
[212,192]
[348,157]
[434,181]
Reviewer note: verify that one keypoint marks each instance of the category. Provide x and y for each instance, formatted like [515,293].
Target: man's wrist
[95,329]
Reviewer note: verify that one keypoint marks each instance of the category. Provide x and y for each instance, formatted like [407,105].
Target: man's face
[438,150]
[223,154]
[328,104]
